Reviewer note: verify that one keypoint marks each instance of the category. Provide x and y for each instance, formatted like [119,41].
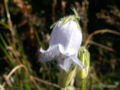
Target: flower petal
[51,53]
[65,64]
[77,61]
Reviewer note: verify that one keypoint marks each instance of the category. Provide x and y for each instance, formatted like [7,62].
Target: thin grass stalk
[11,63]
[11,53]
[10,22]
[37,37]
[3,47]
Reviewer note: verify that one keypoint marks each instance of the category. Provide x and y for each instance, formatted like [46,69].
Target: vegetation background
[25,27]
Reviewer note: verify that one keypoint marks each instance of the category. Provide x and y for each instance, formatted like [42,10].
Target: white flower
[64,44]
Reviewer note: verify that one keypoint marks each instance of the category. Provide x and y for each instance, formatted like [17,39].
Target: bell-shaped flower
[64,44]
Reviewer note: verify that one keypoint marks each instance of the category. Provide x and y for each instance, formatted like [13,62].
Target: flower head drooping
[64,44]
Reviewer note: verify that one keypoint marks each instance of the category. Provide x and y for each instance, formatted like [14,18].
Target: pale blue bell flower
[64,45]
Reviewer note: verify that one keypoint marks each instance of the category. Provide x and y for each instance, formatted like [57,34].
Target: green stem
[83,84]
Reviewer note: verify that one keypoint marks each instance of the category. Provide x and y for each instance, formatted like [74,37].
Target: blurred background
[25,27]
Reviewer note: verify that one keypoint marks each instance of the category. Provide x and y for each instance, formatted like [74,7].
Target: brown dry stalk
[32,78]
[100,32]
[10,24]
[1,87]
[7,77]
[102,46]
[8,16]
[35,83]
[45,82]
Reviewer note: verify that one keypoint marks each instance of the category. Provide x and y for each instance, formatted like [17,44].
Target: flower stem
[83,84]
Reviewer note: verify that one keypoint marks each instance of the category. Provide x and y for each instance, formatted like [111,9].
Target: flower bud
[84,57]
[66,78]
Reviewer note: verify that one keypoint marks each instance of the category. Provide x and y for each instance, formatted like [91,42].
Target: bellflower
[64,43]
